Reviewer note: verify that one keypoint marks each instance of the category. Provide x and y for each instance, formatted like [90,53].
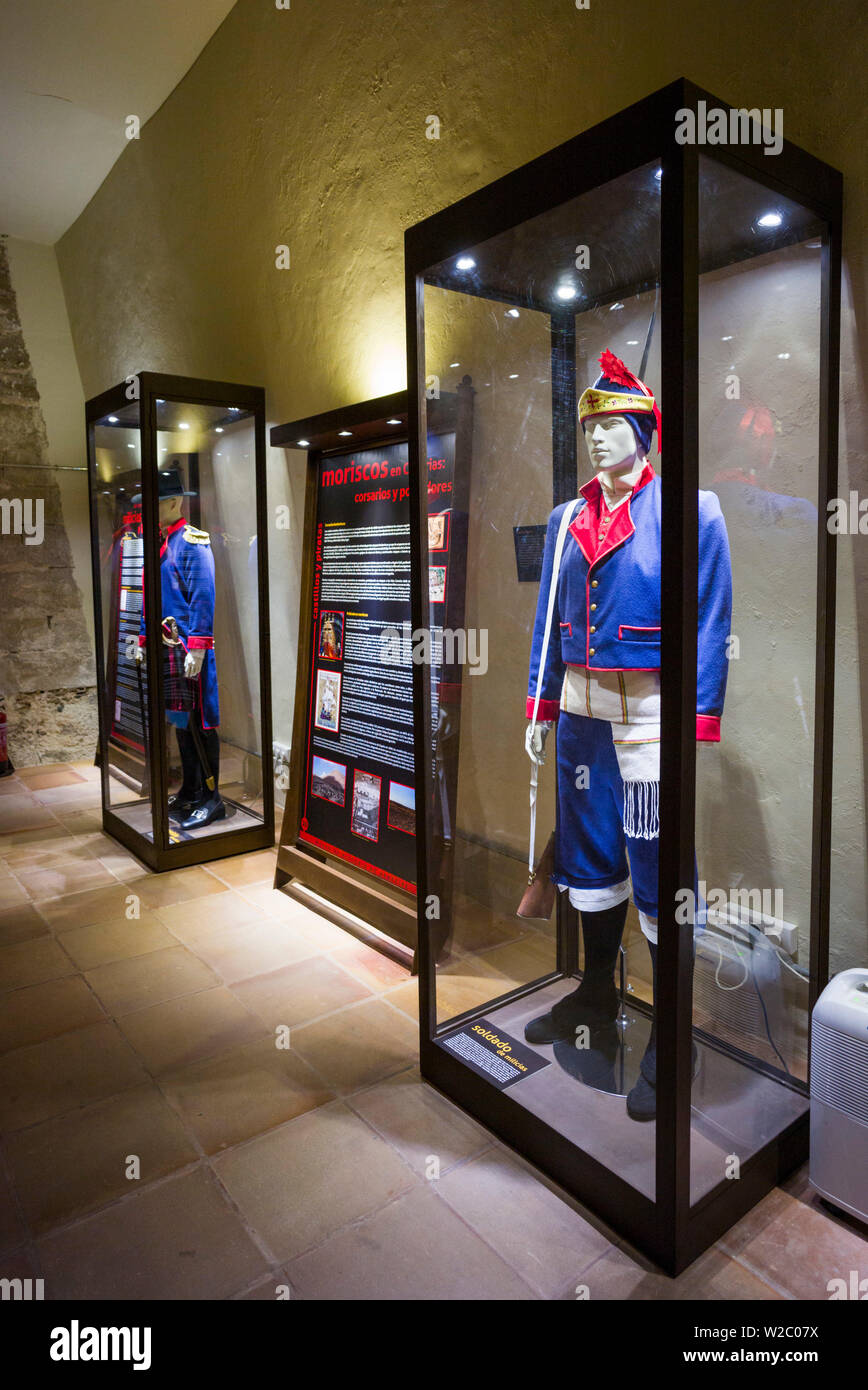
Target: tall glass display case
[179,545]
[650,317]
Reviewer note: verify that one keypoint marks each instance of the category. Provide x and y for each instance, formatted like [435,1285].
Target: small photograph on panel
[327,714]
[438,531]
[437,583]
[365,817]
[328,780]
[401,811]
[331,635]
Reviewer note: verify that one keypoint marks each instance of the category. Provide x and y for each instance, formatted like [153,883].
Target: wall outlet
[280,763]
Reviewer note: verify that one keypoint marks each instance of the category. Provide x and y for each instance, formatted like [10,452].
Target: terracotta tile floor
[157,1141]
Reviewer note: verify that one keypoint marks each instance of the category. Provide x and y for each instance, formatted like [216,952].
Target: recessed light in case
[345,434]
[455,364]
[302,443]
[465,263]
[513,314]
[218,429]
[183,425]
[770,219]
[566,291]
[112,419]
[394,422]
[783,356]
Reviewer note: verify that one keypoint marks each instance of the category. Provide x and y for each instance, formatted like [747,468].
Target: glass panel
[524,317]
[759,357]
[116,479]
[209,627]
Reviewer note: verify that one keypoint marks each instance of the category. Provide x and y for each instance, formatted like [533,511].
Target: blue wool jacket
[607,609]
[187,583]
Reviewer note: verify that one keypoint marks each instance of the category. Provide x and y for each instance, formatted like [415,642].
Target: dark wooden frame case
[669,1228]
[160,854]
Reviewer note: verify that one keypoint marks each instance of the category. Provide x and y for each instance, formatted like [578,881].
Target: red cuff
[142,639]
[708,728]
[198,644]
[548,709]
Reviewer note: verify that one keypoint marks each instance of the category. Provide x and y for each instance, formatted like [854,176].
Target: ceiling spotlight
[658,174]
[512,314]
[632,342]
[394,422]
[727,338]
[455,364]
[218,429]
[566,291]
[344,434]
[770,219]
[783,356]
[112,419]
[182,425]
[465,263]
[235,410]
[513,376]
[302,443]
[131,446]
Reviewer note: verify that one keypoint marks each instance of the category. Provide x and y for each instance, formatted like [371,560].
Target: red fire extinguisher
[6,767]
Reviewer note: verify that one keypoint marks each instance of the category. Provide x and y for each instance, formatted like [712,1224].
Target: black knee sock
[193,781]
[602,933]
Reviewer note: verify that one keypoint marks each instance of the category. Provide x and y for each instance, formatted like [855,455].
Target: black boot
[192,790]
[642,1099]
[209,806]
[595,1002]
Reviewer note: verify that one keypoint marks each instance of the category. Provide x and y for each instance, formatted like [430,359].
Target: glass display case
[177,498]
[619,954]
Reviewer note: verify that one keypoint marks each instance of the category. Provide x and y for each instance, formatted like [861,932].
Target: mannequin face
[611,444]
[170,510]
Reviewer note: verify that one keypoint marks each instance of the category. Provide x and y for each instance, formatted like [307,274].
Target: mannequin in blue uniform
[601,682]
[187,589]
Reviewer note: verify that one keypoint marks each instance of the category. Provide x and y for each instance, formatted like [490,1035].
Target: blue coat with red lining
[607,605]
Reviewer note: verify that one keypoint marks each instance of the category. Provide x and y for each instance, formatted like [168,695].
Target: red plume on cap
[615,371]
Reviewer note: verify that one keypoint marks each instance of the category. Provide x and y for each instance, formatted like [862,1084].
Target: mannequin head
[612,444]
[170,510]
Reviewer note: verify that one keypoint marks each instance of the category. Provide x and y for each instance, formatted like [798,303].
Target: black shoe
[591,1006]
[642,1100]
[203,814]
[180,807]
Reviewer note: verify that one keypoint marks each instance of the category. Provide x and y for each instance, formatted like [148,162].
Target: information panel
[359,798]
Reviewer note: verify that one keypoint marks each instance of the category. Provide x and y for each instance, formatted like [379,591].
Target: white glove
[193,662]
[140,655]
[535,741]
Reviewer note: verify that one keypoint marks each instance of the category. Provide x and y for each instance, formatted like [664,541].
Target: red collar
[593,490]
[164,535]
[175,526]
[596,530]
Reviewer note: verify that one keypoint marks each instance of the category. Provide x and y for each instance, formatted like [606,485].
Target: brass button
[593,583]
[593,629]
[592,651]
[593,607]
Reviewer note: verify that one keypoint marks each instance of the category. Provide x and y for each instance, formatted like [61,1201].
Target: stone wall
[46,660]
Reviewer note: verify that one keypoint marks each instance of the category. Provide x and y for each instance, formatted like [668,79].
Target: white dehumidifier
[839,1093]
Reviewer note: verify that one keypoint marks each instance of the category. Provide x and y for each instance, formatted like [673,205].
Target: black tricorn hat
[169,484]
